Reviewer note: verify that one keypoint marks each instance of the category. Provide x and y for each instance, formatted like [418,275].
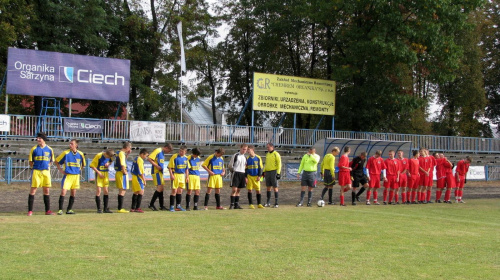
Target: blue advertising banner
[53,74]
[83,125]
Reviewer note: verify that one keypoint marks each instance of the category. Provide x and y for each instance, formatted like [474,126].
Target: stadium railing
[118,130]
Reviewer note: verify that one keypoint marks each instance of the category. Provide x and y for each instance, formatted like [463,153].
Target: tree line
[392,60]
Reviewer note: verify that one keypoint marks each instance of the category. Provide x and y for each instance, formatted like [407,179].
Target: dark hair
[415,153]
[143,151]
[127,144]
[195,151]
[270,144]
[183,148]
[346,149]
[168,145]
[220,151]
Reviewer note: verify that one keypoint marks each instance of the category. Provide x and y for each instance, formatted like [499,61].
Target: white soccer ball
[321,203]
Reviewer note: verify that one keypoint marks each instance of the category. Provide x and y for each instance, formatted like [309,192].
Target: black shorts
[270,178]
[308,179]
[359,180]
[238,180]
[328,178]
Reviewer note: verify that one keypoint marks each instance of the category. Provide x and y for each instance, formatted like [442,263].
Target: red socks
[403,197]
[429,195]
[447,195]
[413,195]
[368,195]
[391,196]
[341,200]
[375,195]
[385,195]
[438,194]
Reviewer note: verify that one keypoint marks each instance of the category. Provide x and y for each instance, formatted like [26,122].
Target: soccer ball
[321,203]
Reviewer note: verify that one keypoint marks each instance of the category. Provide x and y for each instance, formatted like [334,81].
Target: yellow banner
[293,94]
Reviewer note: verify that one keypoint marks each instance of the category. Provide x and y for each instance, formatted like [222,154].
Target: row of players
[245,172]
[184,173]
[411,178]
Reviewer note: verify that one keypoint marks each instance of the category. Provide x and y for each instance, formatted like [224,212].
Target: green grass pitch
[438,241]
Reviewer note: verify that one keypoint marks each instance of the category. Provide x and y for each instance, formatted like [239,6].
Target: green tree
[491,70]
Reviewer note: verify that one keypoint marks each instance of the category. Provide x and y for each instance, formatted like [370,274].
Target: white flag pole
[183,67]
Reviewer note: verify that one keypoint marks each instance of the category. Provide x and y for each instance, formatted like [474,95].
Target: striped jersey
[158,157]
[215,164]
[179,163]
[195,163]
[73,161]
[254,166]
[41,157]
[99,162]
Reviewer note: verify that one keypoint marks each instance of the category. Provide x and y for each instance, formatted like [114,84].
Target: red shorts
[441,183]
[414,182]
[430,180]
[374,181]
[344,178]
[391,182]
[423,180]
[462,182]
[403,180]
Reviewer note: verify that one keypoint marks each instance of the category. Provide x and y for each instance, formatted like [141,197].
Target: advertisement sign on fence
[293,94]
[83,125]
[154,132]
[4,123]
[53,74]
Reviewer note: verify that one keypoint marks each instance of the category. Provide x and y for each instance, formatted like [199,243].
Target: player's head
[243,149]
[400,154]
[143,153]
[415,153]
[468,159]
[378,153]
[167,148]
[347,149]
[108,153]
[422,152]
[182,150]
[219,152]
[196,152]
[312,150]
[127,147]
[41,138]
[251,150]
[391,154]
[335,151]
[73,145]
[270,147]
[362,155]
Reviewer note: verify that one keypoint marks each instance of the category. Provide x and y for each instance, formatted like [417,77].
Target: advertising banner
[4,123]
[147,131]
[83,125]
[293,94]
[63,75]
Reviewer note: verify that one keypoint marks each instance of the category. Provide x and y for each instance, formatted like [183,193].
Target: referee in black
[358,176]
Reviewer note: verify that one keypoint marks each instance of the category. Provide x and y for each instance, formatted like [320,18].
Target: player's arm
[59,161]
[153,162]
[205,165]
[123,160]
[278,163]
[301,166]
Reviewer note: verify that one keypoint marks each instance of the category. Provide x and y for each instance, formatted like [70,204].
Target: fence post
[486,167]
[8,170]
[87,170]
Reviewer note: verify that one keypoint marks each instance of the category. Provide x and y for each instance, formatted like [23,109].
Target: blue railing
[118,130]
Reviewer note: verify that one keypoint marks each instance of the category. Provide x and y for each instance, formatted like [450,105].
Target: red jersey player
[374,167]
[344,174]
[391,178]
[414,170]
[403,178]
[440,177]
[425,169]
[460,175]
[447,169]
[431,176]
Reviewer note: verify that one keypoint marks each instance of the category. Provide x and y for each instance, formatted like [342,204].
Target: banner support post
[295,130]
[6,95]
[70,102]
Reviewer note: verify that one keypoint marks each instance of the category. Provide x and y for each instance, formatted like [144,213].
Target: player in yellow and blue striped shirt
[254,174]
[100,164]
[193,179]
[138,181]
[73,161]
[179,171]
[40,158]
[121,176]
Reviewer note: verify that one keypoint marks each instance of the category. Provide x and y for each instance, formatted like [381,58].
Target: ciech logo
[86,76]
[263,83]
[90,126]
